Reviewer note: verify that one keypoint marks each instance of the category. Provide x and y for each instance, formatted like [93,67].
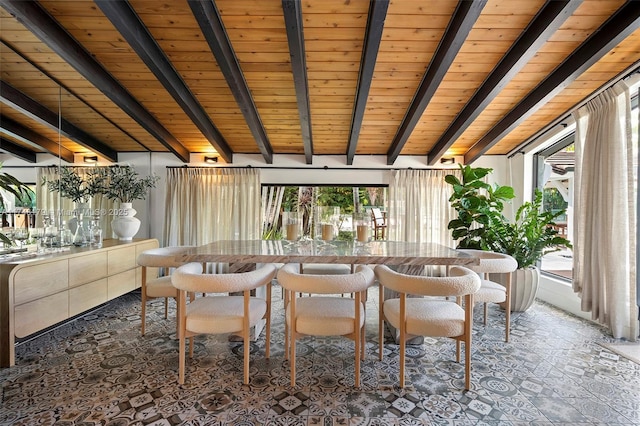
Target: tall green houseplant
[476,202]
[481,225]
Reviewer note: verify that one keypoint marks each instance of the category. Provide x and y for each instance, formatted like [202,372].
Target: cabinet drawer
[84,269]
[147,245]
[33,282]
[87,296]
[42,313]
[121,259]
[121,283]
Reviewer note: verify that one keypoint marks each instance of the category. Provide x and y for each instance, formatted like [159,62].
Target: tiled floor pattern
[98,370]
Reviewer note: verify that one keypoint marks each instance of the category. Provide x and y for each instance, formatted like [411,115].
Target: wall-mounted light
[210,160]
[447,160]
[90,158]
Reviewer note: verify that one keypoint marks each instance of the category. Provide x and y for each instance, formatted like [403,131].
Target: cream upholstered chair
[435,317]
[321,313]
[222,313]
[492,292]
[153,287]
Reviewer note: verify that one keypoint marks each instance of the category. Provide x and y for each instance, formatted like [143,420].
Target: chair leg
[181,336]
[485,313]
[247,347]
[166,308]
[181,359]
[267,333]
[467,363]
[457,350]
[286,325]
[292,361]
[508,308]
[143,297]
[403,337]
[381,323]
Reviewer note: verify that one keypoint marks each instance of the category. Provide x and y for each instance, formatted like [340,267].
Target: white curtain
[419,208]
[210,204]
[61,209]
[604,213]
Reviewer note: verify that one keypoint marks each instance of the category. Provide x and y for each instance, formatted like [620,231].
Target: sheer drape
[211,204]
[62,209]
[604,214]
[419,208]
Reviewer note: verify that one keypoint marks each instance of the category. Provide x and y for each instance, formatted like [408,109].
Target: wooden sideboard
[38,292]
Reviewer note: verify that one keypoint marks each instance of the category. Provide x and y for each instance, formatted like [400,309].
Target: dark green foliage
[481,225]
[530,237]
[475,201]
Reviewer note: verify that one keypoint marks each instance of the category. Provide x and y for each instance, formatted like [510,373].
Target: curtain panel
[419,208]
[604,213]
[209,204]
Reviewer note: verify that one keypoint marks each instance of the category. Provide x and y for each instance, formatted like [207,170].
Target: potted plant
[481,225]
[123,184]
[20,191]
[475,201]
[72,186]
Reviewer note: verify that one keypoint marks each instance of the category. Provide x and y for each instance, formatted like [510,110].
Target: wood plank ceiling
[429,78]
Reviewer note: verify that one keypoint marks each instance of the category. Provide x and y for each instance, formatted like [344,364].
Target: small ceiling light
[210,160]
[447,160]
[90,158]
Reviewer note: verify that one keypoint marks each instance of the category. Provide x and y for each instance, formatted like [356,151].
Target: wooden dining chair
[379,219]
[490,291]
[153,286]
[429,316]
[218,313]
[322,312]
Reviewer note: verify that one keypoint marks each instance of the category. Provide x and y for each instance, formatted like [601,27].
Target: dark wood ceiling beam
[17,150]
[47,29]
[461,23]
[295,35]
[28,136]
[131,27]
[208,17]
[544,25]
[372,37]
[618,27]
[31,108]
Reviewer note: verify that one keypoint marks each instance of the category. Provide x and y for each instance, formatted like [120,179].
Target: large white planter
[524,287]
[125,225]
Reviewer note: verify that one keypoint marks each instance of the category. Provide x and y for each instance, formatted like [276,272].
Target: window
[312,206]
[556,166]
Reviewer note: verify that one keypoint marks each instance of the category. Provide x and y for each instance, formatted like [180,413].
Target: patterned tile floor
[98,370]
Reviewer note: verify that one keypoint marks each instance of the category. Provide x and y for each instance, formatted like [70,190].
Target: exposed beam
[17,150]
[372,37]
[541,28]
[461,23]
[208,17]
[40,23]
[129,24]
[28,136]
[619,26]
[295,35]
[31,108]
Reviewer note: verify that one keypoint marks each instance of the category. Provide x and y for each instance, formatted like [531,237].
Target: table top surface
[317,251]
